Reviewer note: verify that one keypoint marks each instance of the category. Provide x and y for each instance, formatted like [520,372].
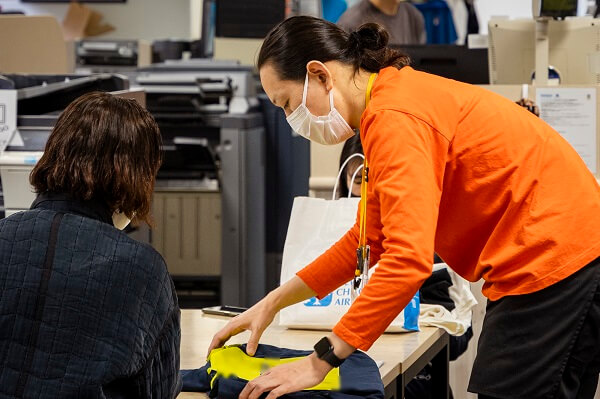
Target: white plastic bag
[315,225]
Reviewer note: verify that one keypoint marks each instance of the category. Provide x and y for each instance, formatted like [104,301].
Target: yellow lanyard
[362,266]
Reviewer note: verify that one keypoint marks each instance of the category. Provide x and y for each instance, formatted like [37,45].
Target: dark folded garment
[359,377]
[434,290]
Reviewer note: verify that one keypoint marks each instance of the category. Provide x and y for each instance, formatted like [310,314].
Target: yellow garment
[231,361]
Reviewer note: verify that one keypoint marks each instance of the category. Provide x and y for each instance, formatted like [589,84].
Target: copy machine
[209,201]
[111,55]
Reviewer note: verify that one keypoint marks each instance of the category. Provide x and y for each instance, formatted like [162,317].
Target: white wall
[195,19]
[135,19]
[509,8]
[492,8]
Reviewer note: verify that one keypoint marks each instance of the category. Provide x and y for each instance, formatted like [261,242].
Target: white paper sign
[8,116]
[572,113]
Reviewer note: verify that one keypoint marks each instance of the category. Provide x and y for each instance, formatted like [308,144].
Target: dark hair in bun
[369,42]
[291,44]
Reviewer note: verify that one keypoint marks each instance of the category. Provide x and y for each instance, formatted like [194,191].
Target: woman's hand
[290,377]
[258,317]
[256,320]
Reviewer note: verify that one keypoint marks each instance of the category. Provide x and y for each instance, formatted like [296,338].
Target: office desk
[404,355]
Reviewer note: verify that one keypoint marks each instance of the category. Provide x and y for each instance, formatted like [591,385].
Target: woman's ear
[321,72]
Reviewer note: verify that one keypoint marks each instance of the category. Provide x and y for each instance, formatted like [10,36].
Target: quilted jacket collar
[94,209]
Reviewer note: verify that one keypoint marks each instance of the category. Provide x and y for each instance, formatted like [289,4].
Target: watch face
[323,346]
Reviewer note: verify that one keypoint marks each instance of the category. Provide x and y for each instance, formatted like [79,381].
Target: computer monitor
[248,19]
[205,46]
[555,8]
[574,45]
[450,61]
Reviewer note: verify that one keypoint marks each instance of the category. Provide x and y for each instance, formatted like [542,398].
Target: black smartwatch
[324,351]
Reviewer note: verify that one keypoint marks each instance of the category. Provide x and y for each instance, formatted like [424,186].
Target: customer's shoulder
[25,221]
[121,246]
[137,260]
[139,252]
[145,252]
[27,215]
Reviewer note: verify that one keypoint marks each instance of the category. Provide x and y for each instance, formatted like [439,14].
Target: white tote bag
[315,225]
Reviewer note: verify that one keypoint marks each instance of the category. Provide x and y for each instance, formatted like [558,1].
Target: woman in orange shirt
[454,169]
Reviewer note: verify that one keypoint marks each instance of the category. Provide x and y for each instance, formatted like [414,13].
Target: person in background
[85,310]
[348,186]
[401,19]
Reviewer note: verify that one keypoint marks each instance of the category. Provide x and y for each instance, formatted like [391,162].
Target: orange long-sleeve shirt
[454,168]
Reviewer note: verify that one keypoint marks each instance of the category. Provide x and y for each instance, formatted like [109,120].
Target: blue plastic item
[333,9]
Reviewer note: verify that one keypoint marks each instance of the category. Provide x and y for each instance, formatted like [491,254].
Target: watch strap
[324,351]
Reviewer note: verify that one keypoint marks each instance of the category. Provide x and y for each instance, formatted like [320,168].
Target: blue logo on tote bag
[316,302]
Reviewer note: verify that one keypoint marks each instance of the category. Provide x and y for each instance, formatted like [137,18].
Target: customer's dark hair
[291,44]
[103,148]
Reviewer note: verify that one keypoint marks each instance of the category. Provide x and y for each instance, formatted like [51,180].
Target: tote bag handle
[337,180]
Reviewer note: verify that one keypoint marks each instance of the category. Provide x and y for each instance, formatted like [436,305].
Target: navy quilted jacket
[85,311]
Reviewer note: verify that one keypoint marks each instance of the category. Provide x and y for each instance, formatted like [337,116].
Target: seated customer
[86,311]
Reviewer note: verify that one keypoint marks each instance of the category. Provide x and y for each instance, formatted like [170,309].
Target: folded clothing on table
[357,377]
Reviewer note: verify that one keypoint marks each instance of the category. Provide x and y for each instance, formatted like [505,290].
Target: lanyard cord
[369,88]
[362,241]
[363,204]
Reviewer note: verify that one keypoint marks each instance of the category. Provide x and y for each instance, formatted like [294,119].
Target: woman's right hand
[260,316]
[256,320]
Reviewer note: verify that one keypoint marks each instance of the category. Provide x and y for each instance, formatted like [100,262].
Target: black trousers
[542,345]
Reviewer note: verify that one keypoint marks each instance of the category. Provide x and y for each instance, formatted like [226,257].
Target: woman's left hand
[291,377]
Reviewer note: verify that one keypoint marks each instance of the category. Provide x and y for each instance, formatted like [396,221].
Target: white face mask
[120,220]
[329,129]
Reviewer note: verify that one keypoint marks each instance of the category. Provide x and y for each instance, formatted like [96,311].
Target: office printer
[190,101]
[40,99]
[107,56]
[209,196]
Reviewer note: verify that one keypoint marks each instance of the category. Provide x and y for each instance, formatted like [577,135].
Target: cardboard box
[81,21]
[33,44]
